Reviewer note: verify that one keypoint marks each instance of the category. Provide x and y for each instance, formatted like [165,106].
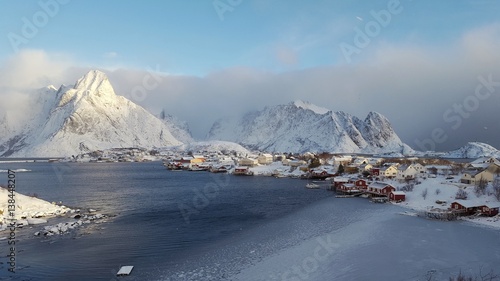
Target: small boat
[312,185]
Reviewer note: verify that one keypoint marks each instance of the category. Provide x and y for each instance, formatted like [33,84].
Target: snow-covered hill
[86,117]
[300,126]
[473,150]
[214,146]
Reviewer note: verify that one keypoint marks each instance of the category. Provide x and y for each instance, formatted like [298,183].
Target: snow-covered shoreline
[31,211]
[27,207]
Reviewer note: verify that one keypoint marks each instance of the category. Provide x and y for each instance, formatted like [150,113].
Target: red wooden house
[380,188]
[348,188]
[361,184]
[375,171]
[489,210]
[397,196]
[338,181]
[465,207]
[320,174]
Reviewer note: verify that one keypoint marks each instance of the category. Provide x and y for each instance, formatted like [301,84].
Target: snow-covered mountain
[300,126]
[178,128]
[214,146]
[473,150]
[86,117]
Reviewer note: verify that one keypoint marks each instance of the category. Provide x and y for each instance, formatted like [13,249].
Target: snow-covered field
[440,189]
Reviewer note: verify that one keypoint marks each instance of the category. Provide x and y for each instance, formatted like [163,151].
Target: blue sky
[189,37]
[261,53]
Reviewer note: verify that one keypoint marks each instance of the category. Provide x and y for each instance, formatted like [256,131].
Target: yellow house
[474,176]
[389,172]
[249,162]
[265,159]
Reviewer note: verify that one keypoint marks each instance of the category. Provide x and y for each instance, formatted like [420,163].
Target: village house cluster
[381,179]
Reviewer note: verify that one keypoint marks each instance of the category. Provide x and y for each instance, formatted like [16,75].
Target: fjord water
[202,226]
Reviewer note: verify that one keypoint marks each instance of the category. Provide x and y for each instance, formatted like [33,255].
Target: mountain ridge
[301,126]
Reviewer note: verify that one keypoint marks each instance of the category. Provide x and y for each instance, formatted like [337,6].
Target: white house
[265,159]
[419,167]
[406,172]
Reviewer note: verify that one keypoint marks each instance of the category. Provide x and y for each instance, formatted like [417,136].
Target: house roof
[484,160]
[468,203]
[403,167]
[398,192]
[378,185]
[383,169]
[340,179]
[473,173]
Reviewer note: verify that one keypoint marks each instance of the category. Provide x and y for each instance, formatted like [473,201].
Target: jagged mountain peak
[88,116]
[307,105]
[92,80]
[93,86]
[301,126]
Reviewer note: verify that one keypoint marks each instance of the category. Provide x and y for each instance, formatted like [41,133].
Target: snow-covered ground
[27,207]
[33,211]
[276,168]
[441,189]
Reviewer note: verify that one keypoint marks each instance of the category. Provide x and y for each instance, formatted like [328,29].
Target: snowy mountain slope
[86,117]
[214,146]
[301,126]
[178,128]
[473,150]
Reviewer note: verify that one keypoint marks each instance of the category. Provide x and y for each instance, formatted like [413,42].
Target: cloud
[412,85]
[27,71]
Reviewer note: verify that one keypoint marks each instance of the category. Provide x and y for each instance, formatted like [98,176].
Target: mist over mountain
[82,118]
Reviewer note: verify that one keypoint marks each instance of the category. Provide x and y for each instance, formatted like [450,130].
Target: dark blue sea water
[202,226]
[162,217]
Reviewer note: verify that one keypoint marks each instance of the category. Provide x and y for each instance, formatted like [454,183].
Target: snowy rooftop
[378,185]
[399,193]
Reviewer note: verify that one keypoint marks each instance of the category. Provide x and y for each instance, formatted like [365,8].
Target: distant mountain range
[300,126]
[89,116]
[473,150]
